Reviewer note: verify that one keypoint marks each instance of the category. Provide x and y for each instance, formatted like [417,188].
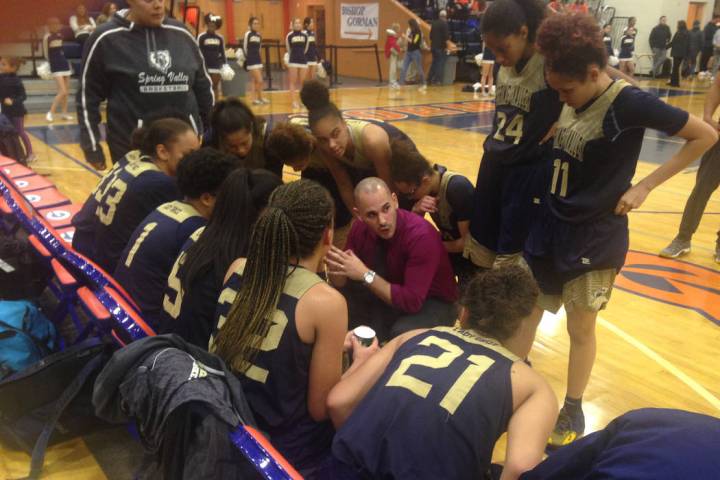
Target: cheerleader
[296,43]
[212,47]
[253,62]
[627,50]
[59,66]
[312,55]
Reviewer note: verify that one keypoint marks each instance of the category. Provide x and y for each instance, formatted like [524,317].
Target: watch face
[369,277]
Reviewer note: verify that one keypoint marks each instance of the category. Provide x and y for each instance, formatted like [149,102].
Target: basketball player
[132,189]
[580,241]
[513,171]
[432,403]
[447,196]
[285,329]
[155,244]
[348,150]
[196,279]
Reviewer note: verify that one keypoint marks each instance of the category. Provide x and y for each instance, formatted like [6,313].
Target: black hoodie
[139,70]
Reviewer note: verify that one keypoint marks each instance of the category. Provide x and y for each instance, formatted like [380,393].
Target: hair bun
[314,95]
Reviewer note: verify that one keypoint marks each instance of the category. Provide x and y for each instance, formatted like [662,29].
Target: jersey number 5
[462,386]
[513,130]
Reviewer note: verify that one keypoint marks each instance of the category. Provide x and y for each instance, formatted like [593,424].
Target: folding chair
[7,161]
[60,217]
[66,234]
[31,183]
[16,171]
[46,198]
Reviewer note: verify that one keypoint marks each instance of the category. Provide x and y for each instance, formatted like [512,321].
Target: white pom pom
[286,58]
[613,61]
[227,73]
[44,71]
[321,72]
[479,59]
[240,56]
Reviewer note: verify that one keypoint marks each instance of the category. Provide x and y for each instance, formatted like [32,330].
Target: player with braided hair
[284,332]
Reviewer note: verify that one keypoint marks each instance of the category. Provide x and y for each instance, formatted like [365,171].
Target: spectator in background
[696,43]
[659,40]
[556,6]
[439,37]
[579,8]
[414,39]
[392,53]
[707,48]
[160,65]
[107,12]
[82,24]
[680,45]
[12,100]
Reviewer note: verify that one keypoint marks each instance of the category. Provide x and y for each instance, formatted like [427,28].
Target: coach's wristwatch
[368,278]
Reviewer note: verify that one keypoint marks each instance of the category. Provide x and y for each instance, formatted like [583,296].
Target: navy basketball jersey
[190,313]
[120,202]
[454,203]
[276,384]
[251,46]
[436,412]
[149,255]
[297,45]
[212,47]
[525,110]
[596,149]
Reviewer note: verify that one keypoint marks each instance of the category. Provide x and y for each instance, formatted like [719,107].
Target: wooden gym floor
[657,341]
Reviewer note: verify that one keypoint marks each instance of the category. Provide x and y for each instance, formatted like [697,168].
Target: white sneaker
[492,90]
[423,88]
[485,93]
[265,101]
[31,158]
[257,102]
[477,86]
[67,116]
[49,117]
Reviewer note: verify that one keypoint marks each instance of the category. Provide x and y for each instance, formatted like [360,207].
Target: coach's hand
[632,199]
[427,204]
[345,263]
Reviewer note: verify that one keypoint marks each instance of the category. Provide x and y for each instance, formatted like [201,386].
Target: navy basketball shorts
[576,264]
[507,200]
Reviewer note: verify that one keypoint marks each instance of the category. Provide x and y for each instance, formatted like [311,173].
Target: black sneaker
[568,428]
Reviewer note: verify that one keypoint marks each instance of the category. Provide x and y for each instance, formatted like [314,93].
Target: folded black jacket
[139,71]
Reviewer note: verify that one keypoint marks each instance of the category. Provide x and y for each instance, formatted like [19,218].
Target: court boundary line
[693,384]
[69,157]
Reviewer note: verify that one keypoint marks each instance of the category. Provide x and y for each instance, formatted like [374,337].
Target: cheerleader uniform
[212,47]
[251,47]
[311,55]
[607,40]
[627,47]
[297,45]
[55,55]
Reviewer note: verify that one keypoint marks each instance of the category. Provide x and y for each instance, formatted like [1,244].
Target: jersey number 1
[560,168]
[514,129]
[462,386]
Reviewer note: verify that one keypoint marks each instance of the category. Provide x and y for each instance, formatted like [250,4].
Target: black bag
[53,395]
[23,274]
[10,145]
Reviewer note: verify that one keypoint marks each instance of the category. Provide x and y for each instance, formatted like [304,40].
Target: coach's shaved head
[370,185]
[376,206]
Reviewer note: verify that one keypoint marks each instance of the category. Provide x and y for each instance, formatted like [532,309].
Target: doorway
[695,12]
[317,13]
